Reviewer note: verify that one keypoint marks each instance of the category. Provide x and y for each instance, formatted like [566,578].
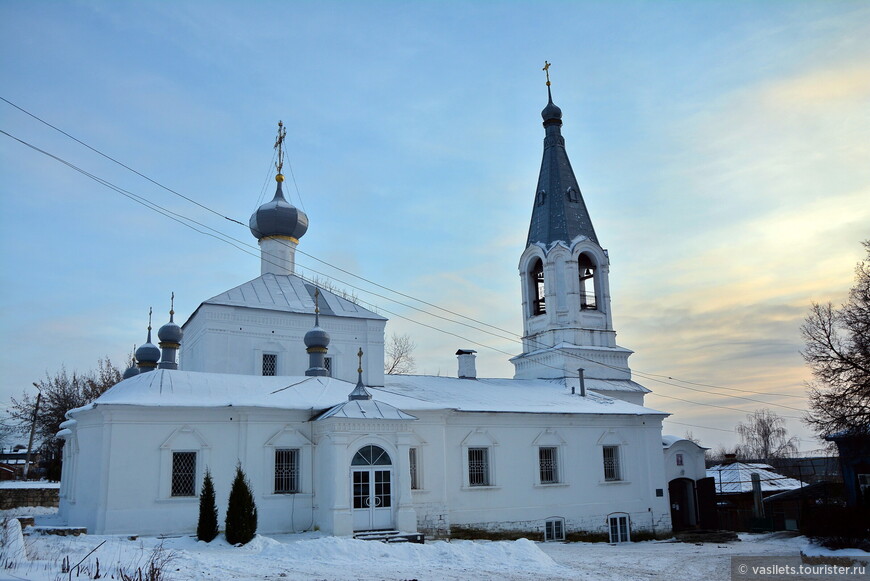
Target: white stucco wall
[227,339]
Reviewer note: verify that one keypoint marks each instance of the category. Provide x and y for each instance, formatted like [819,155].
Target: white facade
[119,474]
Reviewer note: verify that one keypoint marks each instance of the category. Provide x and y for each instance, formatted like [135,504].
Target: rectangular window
[554,530]
[184,474]
[327,364]
[478,466]
[549,467]
[412,463]
[287,471]
[611,463]
[679,459]
[270,364]
[619,529]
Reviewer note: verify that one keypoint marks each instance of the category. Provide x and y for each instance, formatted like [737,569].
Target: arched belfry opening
[588,283]
[536,288]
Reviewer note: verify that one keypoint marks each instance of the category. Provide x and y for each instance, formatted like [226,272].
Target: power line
[233,242]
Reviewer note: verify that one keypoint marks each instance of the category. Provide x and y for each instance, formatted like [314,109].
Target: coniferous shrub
[207,527]
[241,521]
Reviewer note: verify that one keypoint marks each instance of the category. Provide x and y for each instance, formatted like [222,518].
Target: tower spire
[360,391]
[170,336]
[559,213]
[148,354]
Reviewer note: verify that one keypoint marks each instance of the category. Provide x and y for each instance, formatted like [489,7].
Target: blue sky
[721,148]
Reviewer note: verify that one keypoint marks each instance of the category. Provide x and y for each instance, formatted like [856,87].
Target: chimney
[729,459]
[467,369]
[582,383]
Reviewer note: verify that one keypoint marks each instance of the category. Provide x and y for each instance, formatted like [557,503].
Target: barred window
[412,462]
[184,474]
[548,463]
[286,471]
[554,530]
[478,467]
[270,364]
[611,463]
[327,364]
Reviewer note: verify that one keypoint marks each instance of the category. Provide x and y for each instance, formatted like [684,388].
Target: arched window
[371,456]
[536,288]
[586,268]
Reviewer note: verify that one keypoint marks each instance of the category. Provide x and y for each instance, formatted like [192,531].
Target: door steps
[390,537]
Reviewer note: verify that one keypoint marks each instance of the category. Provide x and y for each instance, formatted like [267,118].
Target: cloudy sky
[722,150]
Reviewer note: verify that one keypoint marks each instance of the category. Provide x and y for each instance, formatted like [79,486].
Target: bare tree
[838,353]
[61,392]
[764,437]
[399,355]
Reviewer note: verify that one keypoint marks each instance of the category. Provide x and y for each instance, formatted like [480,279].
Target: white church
[287,380]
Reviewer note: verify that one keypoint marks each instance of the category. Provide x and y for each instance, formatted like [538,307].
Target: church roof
[737,477]
[291,294]
[559,213]
[366,409]
[409,393]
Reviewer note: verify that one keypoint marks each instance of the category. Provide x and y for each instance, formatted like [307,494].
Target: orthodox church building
[286,379]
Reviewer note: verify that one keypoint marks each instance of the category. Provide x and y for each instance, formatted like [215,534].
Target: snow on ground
[314,556]
[28,484]
[28,511]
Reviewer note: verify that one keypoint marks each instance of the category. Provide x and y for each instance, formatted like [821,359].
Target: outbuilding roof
[737,477]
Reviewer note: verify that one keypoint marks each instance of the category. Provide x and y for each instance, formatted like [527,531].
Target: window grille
[270,364]
[554,530]
[611,463]
[371,456]
[412,463]
[549,467]
[287,471]
[327,364]
[184,474]
[619,529]
[478,466]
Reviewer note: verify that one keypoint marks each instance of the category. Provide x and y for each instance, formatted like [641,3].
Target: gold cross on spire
[172,305]
[316,301]
[360,354]
[149,318]
[279,145]
[546,69]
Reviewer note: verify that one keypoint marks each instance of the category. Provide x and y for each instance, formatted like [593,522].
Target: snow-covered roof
[288,293]
[166,387]
[737,477]
[668,441]
[366,409]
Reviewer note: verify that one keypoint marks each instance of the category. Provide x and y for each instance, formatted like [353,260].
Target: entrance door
[372,490]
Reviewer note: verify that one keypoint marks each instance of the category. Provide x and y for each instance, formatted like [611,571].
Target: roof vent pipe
[467,368]
[582,383]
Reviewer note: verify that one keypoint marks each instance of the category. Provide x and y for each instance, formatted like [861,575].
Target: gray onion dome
[131,371]
[170,332]
[551,112]
[278,217]
[316,337]
[148,354]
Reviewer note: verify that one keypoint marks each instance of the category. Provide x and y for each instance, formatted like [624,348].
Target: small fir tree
[241,522]
[207,527]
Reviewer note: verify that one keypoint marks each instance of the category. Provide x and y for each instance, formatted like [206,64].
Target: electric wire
[234,242]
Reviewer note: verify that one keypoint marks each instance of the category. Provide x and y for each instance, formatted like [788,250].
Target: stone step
[390,537]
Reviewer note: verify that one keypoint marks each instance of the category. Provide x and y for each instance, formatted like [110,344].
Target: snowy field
[311,556]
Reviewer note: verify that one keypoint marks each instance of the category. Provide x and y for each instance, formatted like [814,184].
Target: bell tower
[564,274]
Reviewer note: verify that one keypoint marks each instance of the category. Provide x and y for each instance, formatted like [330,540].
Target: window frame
[554,529]
[327,364]
[175,475]
[293,479]
[485,471]
[274,358]
[414,468]
[614,463]
[537,288]
[620,523]
[554,469]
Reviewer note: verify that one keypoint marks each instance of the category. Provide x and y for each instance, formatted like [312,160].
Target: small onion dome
[170,332]
[551,112]
[131,371]
[148,353]
[278,217]
[316,337]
